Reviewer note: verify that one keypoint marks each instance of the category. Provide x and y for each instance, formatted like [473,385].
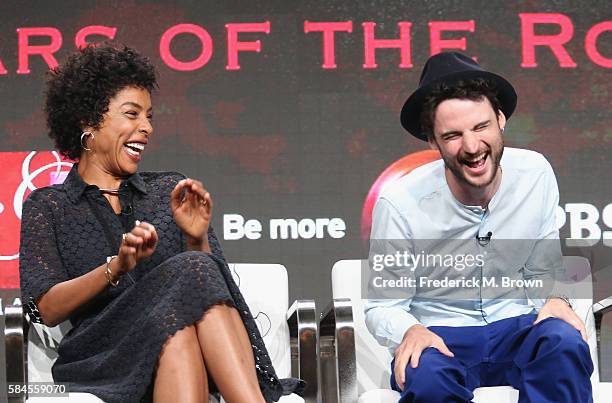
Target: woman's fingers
[197,193]
[140,241]
[177,195]
[198,189]
[208,201]
[193,193]
[153,240]
[141,233]
[132,239]
[147,233]
[204,198]
[136,245]
[127,250]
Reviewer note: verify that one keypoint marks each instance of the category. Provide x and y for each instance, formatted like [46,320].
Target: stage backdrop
[289,111]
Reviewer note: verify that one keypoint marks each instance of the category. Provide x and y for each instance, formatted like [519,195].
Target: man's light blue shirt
[421,206]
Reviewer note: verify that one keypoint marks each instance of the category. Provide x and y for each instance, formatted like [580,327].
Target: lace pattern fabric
[116,339]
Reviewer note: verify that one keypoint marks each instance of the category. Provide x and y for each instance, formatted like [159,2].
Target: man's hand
[416,339]
[558,308]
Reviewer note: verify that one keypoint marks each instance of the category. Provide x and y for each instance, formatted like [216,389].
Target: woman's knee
[183,346]
[181,373]
[183,342]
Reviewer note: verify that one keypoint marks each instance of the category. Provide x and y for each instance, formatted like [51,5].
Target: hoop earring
[93,136]
[502,130]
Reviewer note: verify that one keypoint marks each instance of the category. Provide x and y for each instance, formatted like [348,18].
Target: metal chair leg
[15,339]
[301,318]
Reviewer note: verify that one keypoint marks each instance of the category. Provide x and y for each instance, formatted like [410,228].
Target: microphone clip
[484,240]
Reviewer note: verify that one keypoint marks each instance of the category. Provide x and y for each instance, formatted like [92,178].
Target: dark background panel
[284,138]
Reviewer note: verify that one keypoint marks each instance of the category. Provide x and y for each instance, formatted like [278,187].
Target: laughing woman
[129,257]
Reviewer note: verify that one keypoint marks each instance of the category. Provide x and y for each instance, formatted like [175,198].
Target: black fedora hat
[448,68]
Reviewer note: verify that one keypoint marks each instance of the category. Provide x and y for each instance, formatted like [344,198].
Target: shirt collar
[75,185]
[478,210]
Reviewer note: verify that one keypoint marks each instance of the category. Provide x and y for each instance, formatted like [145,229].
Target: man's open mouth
[476,162]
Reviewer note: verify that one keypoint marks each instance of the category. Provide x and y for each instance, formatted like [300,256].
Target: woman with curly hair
[130,257]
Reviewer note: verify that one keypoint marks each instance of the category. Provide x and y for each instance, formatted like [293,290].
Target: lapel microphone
[484,240]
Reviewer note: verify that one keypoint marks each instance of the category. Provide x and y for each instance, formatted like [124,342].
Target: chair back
[265,288]
[372,359]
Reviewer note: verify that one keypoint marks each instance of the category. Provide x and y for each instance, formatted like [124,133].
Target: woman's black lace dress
[113,347]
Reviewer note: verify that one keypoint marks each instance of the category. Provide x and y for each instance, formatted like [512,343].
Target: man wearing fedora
[444,348]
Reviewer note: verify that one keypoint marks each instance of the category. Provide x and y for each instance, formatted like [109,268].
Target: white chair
[355,368]
[290,335]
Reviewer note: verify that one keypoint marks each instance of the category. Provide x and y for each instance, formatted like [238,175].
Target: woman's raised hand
[136,245]
[192,210]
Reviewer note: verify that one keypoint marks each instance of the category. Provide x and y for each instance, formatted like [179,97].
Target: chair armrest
[338,359]
[15,342]
[301,318]
[603,306]
[599,310]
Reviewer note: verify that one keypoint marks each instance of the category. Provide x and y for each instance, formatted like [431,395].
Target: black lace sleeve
[40,265]
[215,246]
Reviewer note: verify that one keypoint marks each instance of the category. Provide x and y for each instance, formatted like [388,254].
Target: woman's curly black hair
[79,90]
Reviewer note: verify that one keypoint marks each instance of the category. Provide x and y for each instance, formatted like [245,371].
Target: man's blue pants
[548,363]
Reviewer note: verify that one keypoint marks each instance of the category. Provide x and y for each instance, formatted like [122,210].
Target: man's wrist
[414,327]
[562,298]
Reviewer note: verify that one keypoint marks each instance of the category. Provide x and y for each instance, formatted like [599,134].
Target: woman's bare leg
[244,340]
[181,375]
[231,367]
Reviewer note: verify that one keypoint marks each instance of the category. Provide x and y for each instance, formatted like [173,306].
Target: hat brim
[411,112]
